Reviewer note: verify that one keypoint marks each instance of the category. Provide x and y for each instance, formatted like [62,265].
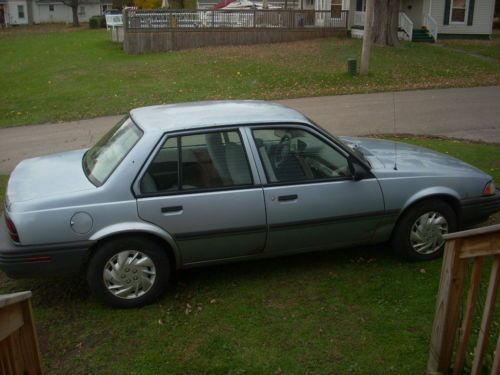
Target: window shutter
[447,7]
[471,12]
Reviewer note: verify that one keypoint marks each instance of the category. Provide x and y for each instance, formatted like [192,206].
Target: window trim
[21,14]
[136,189]
[258,175]
[466,14]
[310,130]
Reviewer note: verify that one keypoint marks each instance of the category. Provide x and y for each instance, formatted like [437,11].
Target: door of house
[414,10]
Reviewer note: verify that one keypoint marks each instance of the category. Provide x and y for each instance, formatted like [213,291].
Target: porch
[158,30]
[415,24]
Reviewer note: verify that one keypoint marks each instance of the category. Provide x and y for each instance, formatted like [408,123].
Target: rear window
[102,159]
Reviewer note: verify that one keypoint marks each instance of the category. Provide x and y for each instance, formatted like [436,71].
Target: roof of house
[213,113]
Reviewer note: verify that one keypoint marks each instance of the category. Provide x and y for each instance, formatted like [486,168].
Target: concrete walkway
[471,113]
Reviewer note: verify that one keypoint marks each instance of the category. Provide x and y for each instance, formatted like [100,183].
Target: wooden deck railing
[19,353]
[246,19]
[465,250]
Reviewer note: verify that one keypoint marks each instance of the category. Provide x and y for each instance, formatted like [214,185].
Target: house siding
[11,12]
[481,23]
[39,11]
[61,13]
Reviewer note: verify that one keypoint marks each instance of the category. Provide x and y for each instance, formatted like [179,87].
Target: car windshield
[102,159]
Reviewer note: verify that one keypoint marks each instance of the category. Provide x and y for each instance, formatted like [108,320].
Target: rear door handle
[285,198]
[171,209]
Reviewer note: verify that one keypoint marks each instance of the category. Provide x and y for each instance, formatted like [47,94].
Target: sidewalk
[470,113]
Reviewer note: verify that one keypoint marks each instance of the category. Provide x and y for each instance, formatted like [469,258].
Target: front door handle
[286,198]
[166,210]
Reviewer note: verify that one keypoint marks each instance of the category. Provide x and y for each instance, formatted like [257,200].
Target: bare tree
[73,4]
[386,20]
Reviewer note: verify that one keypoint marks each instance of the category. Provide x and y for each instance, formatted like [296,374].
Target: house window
[458,10]
[20,11]
[51,7]
[336,8]
[82,11]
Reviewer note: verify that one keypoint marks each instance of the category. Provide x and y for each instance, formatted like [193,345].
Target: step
[423,40]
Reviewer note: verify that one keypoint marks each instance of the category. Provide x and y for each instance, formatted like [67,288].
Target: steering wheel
[282,150]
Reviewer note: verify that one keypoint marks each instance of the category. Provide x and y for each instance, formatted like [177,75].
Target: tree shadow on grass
[52,291]
[295,265]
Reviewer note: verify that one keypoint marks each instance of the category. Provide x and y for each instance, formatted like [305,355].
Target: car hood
[384,154]
[46,176]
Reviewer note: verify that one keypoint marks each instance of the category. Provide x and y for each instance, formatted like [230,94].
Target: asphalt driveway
[469,113]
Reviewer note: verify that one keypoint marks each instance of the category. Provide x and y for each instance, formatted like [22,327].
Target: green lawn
[488,48]
[50,74]
[351,311]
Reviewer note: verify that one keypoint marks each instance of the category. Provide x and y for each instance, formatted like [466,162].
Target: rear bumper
[475,210]
[41,260]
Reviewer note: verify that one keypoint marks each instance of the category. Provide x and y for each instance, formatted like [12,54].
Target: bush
[97,22]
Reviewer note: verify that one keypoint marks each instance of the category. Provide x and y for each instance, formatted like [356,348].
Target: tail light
[11,228]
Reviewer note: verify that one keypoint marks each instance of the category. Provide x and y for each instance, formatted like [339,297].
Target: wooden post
[465,330]
[19,352]
[489,307]
[447,309]
[367,38]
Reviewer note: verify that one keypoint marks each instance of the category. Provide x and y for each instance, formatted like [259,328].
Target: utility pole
[367,37]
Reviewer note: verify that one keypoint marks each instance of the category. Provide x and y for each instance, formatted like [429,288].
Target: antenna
[394,131]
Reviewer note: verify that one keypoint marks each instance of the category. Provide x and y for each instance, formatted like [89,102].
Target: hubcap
[426,236]
[129,274]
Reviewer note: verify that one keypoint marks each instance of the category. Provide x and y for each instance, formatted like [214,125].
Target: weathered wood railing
[462,249]
[19,353]
[249,19]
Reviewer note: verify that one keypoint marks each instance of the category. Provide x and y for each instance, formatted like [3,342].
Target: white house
[24,12]
[428,20]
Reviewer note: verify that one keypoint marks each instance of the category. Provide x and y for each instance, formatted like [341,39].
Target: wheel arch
[446,195]
[140,230]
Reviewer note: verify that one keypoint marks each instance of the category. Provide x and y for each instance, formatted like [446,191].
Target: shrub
[97,22]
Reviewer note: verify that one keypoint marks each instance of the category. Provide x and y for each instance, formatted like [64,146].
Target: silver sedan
[187,185]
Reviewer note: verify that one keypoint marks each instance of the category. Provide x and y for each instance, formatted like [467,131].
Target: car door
[202,189]
[312,200]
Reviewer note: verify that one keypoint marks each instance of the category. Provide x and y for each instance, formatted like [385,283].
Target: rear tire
[128,272]
[418,234]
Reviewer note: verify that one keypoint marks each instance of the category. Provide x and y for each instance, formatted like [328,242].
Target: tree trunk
[386,22]
[74,8]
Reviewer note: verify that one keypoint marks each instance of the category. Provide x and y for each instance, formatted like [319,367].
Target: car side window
[198,161]
[163,173]
[289,155]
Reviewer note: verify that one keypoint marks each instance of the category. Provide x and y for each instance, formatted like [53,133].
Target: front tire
[418,234]
[128,272]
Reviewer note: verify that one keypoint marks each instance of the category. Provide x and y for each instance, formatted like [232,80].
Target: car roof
[194,115]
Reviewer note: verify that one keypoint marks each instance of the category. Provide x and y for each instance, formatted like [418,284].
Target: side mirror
[358,172]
